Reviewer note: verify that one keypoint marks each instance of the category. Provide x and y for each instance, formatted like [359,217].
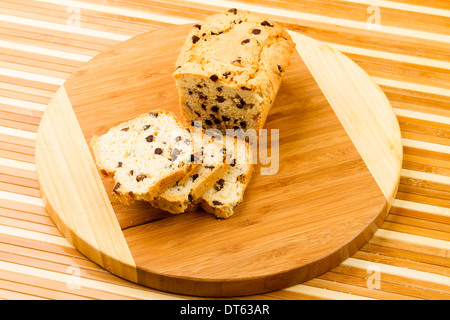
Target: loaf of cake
[146,155]
[183,196]
[230,69]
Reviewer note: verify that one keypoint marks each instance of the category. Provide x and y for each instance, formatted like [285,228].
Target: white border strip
[422,116]
[397,271]
[5,195]
[18,133]
[419,175]
[411,238]
[426,146]
[416,206]
[324,293]
[403,58]
[404,7]
[402,32]
[36,236]
[31,76]
[62,27]
[145,294]
[23,104]
[18,164]
[44,51]
[121,11]
[412,86]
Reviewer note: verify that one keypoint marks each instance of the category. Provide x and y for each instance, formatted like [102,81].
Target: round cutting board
[339,164]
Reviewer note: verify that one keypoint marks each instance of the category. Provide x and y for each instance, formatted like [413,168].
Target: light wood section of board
[353,94]
[76,199]
[410,250]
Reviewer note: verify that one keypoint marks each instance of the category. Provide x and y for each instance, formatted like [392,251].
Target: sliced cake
[145,156]
[183,195]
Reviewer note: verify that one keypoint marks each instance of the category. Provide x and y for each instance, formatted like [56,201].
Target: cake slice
[228,191]
[145,156]
[230,69]
[182,196]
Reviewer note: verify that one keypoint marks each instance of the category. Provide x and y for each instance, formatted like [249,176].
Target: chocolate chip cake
[145,156]
[183,196]
[230,69]
[228,191]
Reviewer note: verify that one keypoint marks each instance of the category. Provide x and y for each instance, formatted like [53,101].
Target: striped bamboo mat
[403,44]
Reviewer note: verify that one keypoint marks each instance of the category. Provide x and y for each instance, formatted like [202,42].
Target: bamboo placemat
[404,45]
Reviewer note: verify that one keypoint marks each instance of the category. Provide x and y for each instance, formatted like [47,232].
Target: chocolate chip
[194,177]
[195,39]
[214,77]
[241,103]
[201,95]
[190,91]
[216,33]
[158,151]
[219,89]
[194,159]
[146,127]
[153,114]
[208,122]
[245,41]
[219,185]
[241,178]
[198,26]
[140,177]
[125,129]
[245,88]
[279,68]
[197,113]
[212,116]
[149,138]
[256,31]
[131,172]
[238,61]
[236,128]
[175,154]
[225,118]
[199,86]
[190,197]
[215,109]
[177,138]
[217,203]
[119,164]
[233,10]
[226,74]
[216,121]
[209,167]
[220,99]
[203,106]
[266,24]
[243,124]
[117,186]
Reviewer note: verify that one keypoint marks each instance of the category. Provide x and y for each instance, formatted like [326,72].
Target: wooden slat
[415,235]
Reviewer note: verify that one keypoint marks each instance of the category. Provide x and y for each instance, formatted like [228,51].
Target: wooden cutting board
[340,157]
